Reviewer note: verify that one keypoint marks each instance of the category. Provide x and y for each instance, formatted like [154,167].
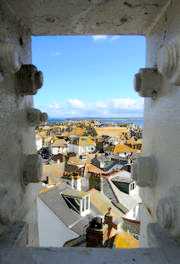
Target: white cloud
[100,105]
[105,37]
[76,103]
[99,37]
[56,53]
[117,107]
[126,103]
[55,105]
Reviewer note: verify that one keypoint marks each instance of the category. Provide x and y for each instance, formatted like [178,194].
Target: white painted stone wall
[17,138]
[162,116]
[52,231]
[162,122]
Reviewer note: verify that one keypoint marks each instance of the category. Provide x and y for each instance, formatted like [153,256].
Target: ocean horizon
[118,120]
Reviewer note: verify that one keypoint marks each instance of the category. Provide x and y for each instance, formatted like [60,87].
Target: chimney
[96,233]
[76,182]
[109,221]
[102,164]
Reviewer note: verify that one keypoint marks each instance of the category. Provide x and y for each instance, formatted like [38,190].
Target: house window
[83,205]
[72,203]
[132,186]
[87,203]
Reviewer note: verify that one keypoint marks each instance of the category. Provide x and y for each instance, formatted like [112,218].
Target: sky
[89,76]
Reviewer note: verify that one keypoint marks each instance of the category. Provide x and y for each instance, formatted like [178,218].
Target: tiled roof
[59,143]
[101,203]
[58,156]
[76,161]
[132,141]
[86,141]
[93,169]
[77,131]
[56,203]
[121,148]
[125,240]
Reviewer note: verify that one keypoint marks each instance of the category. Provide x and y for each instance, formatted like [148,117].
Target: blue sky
[89,76]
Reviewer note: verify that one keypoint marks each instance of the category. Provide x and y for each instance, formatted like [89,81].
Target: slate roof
[56,203]
[54,200]
[109,164]
[74,193]
[122,176]
[107,190]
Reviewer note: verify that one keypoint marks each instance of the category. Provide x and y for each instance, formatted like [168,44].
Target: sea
[139,121]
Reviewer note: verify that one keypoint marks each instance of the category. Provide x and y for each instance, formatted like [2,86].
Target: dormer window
[77,201]
[87,202]
[132,186]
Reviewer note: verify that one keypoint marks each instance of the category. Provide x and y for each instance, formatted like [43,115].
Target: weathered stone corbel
[9,59]
[144,171]
[158,237]
[35,117]
[168,61]
[32,169]
[148,82]
[168,212]
[29,80]
[165,213]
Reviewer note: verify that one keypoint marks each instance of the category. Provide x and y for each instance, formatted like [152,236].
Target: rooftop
[125,240]
[56,203]
[125,201]
[122,176]
[121,148]
[59,143]
[102,203]
[74,193]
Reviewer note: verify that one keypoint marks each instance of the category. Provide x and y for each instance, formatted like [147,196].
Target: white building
[39,142]
[82,145]
[59,146]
